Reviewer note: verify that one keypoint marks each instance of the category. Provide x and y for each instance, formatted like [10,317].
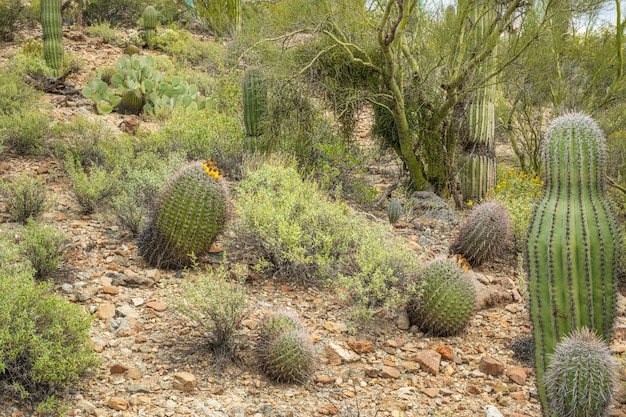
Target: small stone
[237,410]
[137,301]
[184,381]
[134,373]
[61,217]
[118,369]
[491,366]
[118,403]
[98,344]
[109,289]
[390,372]
[518,395]
[445,351]
[403,321]
[518,375]
[324,379]
[106,311]
[86,406]
[512,308]
[372,372]
[336,355]
[411,366]
[153,274]
[362,346]
[431,392]
[429,360]
[157,305]
[128,311]
[251,324]
[492,411]
[335,327]
[395,343]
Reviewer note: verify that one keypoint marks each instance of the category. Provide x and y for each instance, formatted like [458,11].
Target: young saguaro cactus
[254,100]
[51,24]
[572,242]
[150,18]
[190,213]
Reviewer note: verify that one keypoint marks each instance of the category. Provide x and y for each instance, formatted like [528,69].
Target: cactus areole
[572,243]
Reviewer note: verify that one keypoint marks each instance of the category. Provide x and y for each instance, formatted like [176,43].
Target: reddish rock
[134,373]
[106,311]
[324,379]
[390,372]
[336,355]
[429,360]
[362,346]
[157,305]
[431,392]
[518,375]
[473,389]
[118,403]
[445,351]
[372,372]
[118,369]
[109,289]
[490,366]
[518,395]
[395,343]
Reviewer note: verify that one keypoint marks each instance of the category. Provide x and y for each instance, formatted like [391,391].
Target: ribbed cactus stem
[51,23]
[254,99]
[150,19]
[573,241]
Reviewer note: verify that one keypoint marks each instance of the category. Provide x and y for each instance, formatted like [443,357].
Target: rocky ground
[153,363]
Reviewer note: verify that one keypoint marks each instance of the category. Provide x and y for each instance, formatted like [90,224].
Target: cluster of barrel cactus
[485,234]
[190,213]
[285,349]
[51,24]
[441,298]
[572,246]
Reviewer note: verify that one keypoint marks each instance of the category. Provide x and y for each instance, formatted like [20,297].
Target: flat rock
[106,311]
[428,359]
[518,375]
[390,372]
[157,305]
[184,381]
[362,346]
[118,403]
[431,392]
[490,366]
[336,355]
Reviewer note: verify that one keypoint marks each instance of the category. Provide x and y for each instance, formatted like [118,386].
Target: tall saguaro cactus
[254,100]
[572,242]
[51,24]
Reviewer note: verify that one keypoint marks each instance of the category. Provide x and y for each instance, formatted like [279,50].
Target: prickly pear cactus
[190,213]
[394,211]
[573,242]
[150,19]
[51,24]
[485,234]
[581,376]
[254,100]
[441,298]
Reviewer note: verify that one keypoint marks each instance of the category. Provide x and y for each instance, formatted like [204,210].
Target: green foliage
[485,234]
[117,12]
[190,51]
[44,247]
[16,94]
[616,156]
[292,224]
[11,16]
[216,303]
[44,339]
[441,298]
[394,211]
[220,17]
[25,197]
[160,94]
[518,192]
[189,215]
[84,140]
[581,376]
[103,31]
[573,241]
[25,131]
[90,186]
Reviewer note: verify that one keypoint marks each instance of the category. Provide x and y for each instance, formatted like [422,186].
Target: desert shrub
[182,46]
[616,156]
[306,237]
[11,15]
[216,303]
[519,192]
[92,186]
[84,140]
[116,12]
[25,197]
[44,339]
[25,132]
[104,31]
[16,94]
[44,247]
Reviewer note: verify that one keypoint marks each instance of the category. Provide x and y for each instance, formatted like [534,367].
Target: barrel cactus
[150,19]
[278,323]
[131,103]
[581,376]
[190,212]
[485,234]
[572,242]
[289,357]
[51,24]
[254,100]
[394,211]
[441,298]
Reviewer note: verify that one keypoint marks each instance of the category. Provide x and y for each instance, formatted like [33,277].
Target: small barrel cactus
[573,242]
[485,234]
[581,376]
[254,100]
[51,23]
[441,298]
[150,19]
[131,103]
[131,50]
[394,211]
[278,323]
[190,213]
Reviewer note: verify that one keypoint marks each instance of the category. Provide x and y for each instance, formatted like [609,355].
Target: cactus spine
[572,242]
[150,18]
[254,100]
[51,24]
[581,376]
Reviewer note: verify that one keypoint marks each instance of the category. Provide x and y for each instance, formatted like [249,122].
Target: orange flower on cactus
[211,169]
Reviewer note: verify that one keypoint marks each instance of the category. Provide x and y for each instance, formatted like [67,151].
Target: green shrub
[25,132]
[84,140]
[190,51]
[216,303]
[44,247]
[16,94]
[44,348]
[293,225]
[104,31]
[11,15]
[25,197]
[518,192]
[90,187]
[117,12]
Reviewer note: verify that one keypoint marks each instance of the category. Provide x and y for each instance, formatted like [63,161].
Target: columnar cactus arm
[51,24]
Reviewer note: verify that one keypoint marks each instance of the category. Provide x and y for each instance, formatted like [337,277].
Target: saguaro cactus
[150,17]
[52,35]
[254,99]
[572,243]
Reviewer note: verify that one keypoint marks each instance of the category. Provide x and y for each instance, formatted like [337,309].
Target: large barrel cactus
[581,376]
[573,242]
[150,19]
[441,298]
[254,100]
[189,215]
[51,24]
